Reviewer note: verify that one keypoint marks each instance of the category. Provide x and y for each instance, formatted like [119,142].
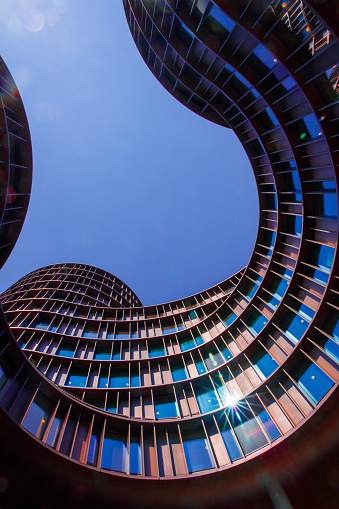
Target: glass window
[114,452]
[269,425]
[168,329]
[294,326]
[103,379]
[135,457]
[264,364]
[165,406]
[250,435]
[178,371]
[135,379]
[256,322]
[221,388]
[37,416]
[122,334]
[66,350]
[222,18]
[42,323]
[102,353]
[186,344]
[330,205]
[206,397]
[312,125]
[228,318]
[54,432]
[231,445]
[332,348]
[119,378]
[265,56]
[93,450]
[313,381]
[90,332]
[197,452]
[156,349]
[77,378]
[289,83]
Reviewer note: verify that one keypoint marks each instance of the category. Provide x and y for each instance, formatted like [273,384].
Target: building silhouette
[228,397]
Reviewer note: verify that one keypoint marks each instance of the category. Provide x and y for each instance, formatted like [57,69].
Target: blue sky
[125,178]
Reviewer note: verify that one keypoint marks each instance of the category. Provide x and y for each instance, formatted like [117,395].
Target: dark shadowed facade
[227,398]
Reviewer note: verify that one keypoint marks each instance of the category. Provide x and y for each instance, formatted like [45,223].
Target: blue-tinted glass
[228,318]
[288,83]
[42,324]
[207,399]
[306,312]
[329,184]
[296,328]
[256,322]
[181,326]
[66,351]
[325,258]
[250,436]
[312,125]
[281,289]
[103,380]
[112,408]
[251,292]
[272,301]
[77,378]
[119,378]
[35,418]
[332,349]
[288,273]
[187,30]
[187,344]
[242,79]
[298,225]
[114,454]
[330,205]
[320,276]
[226,352]
[221,389]
[178,371]
[168,330]
[193,314]
[267,422]
[165,407]
[87,333]
[53,328]
[265,56]
[335,332]
[122,335]
[198,339]
[272,116]
[296,181]
[135,380]
[231,445]
[221,17]
[315,383]
[197,454]
[200,367]
[54,432]
[156,350]
[102,353]
[135,458]
[265,366]
[93,450]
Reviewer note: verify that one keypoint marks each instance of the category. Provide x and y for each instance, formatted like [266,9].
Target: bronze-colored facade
[227,397]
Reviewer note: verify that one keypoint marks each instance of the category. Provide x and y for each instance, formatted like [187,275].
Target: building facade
[227,397]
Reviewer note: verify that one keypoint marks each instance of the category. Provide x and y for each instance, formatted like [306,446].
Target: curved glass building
[226,397]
